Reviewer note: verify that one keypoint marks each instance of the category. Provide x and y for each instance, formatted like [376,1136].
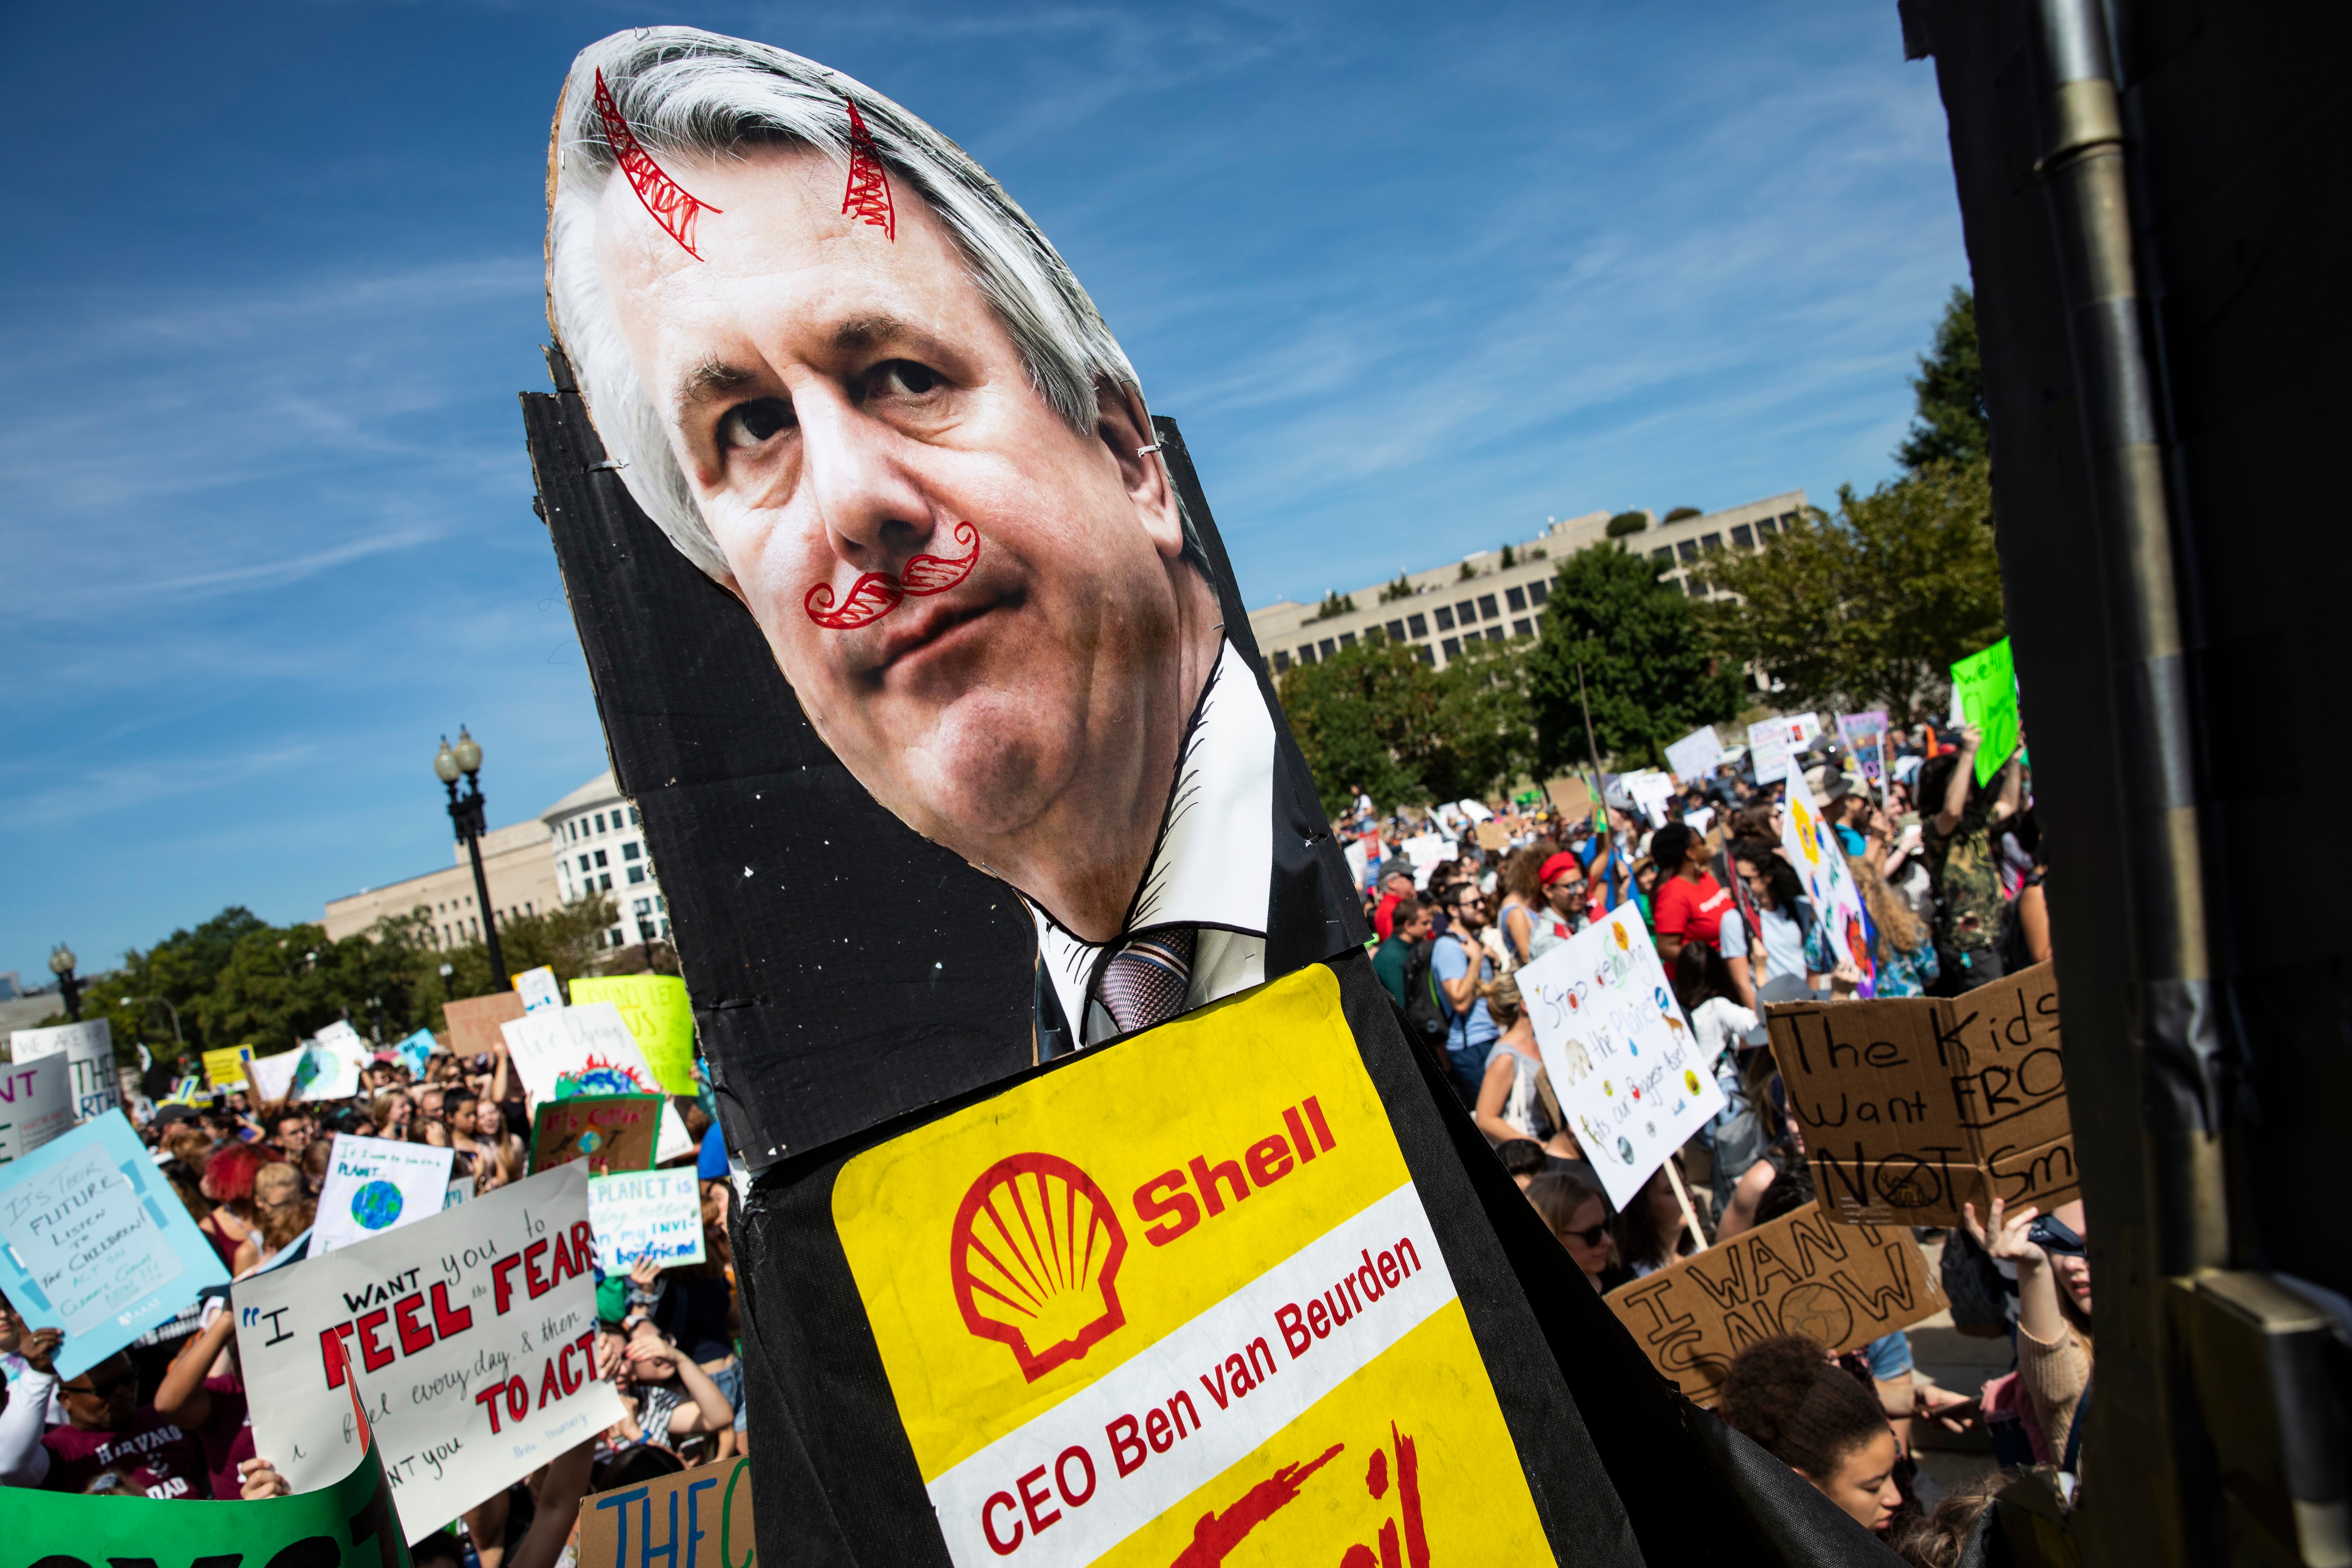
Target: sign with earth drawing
[376,1184]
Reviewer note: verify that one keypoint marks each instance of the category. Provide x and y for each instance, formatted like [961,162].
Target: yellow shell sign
[1124,1340]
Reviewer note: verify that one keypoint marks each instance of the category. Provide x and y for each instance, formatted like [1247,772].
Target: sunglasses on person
[2055,1237]
[1591,1236]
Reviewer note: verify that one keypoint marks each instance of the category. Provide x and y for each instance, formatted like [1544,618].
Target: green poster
[1986,684]
[655,1008]
[351,1524]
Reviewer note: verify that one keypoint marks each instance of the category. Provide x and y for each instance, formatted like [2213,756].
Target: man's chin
[990,769]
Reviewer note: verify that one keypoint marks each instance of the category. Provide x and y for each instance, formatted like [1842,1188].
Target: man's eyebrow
[870,332]
[711,378]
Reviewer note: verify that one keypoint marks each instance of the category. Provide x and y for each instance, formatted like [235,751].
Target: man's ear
[1125,426]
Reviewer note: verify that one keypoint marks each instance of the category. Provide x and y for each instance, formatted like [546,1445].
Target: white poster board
[591,1048]
[272,1078]
[36,1104]
[1427,851]
[1773,741]
[1811,845]
[376,1184]
[1652,791]
[472,1336]
[336,1056]
[89,1050]
[646,1213]
[1359,864]
[1694,757]
[539,989]
[1629,1077]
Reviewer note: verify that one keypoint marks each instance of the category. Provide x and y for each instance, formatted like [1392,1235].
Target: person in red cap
[1565,892]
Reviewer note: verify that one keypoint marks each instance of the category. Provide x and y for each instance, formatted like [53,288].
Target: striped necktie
[1144,982]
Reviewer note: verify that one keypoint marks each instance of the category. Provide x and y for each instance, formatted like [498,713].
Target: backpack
[1424,1010]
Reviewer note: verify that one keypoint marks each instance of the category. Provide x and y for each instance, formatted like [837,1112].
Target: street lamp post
[61,964]
[466,810]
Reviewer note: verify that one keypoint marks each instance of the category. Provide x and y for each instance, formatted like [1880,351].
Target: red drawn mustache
[876,594]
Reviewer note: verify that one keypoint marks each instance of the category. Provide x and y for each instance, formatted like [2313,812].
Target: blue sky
[1412,280]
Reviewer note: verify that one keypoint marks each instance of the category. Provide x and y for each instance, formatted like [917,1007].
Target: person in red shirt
[1396,886]
[1689,902]
[107,1433]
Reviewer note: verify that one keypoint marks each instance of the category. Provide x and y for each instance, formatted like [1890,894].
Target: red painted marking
[876,594]
[1216,1535]
[1416,1538]
[668,201]
[867,194]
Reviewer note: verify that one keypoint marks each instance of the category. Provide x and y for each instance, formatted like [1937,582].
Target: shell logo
[1034,1258]
[1805,831]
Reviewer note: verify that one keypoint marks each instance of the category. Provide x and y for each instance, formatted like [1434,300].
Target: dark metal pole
[466,810]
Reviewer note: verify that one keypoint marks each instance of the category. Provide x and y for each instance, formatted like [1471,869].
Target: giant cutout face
[845,404]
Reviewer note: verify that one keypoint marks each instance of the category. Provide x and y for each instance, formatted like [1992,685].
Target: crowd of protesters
[1951,872]
[167,1417]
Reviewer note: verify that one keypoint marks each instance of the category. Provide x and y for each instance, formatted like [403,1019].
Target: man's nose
[856,473]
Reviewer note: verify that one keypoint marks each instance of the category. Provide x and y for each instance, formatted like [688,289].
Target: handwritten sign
[36,1104]
[649,1214]
[376,1184]
[1913,1106]
[538,988]
[656,1009]
[272,1078]
[1843,1285]
[473,1340]
[560,1052]
[225,1068]
[611,1131]
[1984,689]
[1696,754]
[89,1050]
[474,1022]
[1772,742]
[1494,836]
[94,1242]
[332,1061]
[1811,845]
[1619,1050]
[1864,735]
[1569,797]
[625,1528]
[415,1051]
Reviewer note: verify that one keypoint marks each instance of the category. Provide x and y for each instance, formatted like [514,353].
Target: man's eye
[750,424]
[905,377]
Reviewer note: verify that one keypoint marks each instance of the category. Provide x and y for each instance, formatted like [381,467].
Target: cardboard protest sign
[656,1009]
[345,1523]
[1984,690]
[1811,845]
[625,1528]
[646,1213]
[272,1078]
[474,1022]
[1619,1050]
[472,1338]
[611,1131]
[561,1052]
[225,1068]
[1913,1106]
[36,1104]
[1843,1285]
[1694,756]
[1237,1270]
[89,1050]
[539,988]
[1864,735]
[1570,797]
[1772,742]
[376,1184]
[93,1241]
[1494,836]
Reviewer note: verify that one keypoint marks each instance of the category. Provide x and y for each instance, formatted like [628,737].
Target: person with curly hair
[1786,1394]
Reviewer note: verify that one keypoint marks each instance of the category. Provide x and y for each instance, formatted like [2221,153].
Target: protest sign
[1494,836]
[344,1524]
[332,1061]
[1570,797]
[376,1184]
[1843,1285]
[1812,847]
[272,1078]
[539,988]
[474,1022]
[415,1051]
[225,1068]
[560,1052]
[1864,735]
[1619,1050]
[659,1016]
[1772,742]
[93,1241]
[1694,757]
[646,1213]
[1984,690]
[1360,863]
[611,1131]
[89,1050]
[474,1335]
[618,1529]
[1427,851]
[36,1104]
[1651,790]
[1915,1105]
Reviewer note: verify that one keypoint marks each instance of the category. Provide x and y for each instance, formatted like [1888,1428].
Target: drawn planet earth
[1818,1310]
[591,1141]
[1625,1151]
[376,1204]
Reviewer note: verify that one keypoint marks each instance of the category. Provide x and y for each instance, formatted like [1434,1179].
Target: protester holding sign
[2053,1315]
[1963,861]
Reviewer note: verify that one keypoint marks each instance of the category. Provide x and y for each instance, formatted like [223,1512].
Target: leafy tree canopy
[1648,668]
[1681,512]
[1377,716]
[1626,522]
[1400,589]
[1950,424]
[1336,603]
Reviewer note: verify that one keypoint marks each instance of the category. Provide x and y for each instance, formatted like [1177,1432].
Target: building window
[1306,654]
[1326,648]
[636,873]
[1710,542]
[631,850]
[1281,661]
[1347,640]
[643,906]
[604,883]
[584,862]
[661,903]
[1466,613]
[1537,592]
[600,822]
[1664,552]
[1452,646]
[600,858]
[1697,589]
[1417,625]
[1523,629]
[632,817]
[1428,654]
[1787,520]
[1516,597]
[1486,606]
[1445,619]
[1763,528]
[665,931]
[1742,536]
[1396,631]
[1689,549]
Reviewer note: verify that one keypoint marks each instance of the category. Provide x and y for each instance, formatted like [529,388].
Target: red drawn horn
[668,201]
[867,194]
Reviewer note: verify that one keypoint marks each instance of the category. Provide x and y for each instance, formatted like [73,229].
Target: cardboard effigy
[611,1131]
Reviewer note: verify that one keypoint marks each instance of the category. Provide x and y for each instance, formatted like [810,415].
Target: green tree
[1626,522]
[1466,572]
[283,983]
[1400,589]
[1870,608]
[178,969]
[1509,559]
[1950,424]
[1648,668]
[569,940]
[1365,716]
[1681,512]
[1485,721]
[1336,603]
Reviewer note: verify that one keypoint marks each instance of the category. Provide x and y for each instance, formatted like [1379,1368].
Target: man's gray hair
[683,91]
